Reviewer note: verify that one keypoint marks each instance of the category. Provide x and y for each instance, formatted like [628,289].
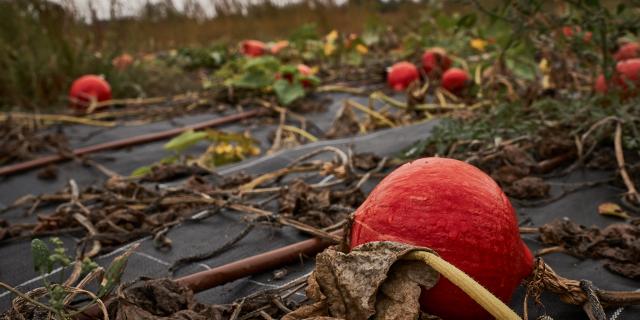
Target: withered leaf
[528,188]
[517,156]
[365,161]
[313,206]
[612,209]
[618,244]
[162,299]
[169,172]
[508,174]
[554,144]
[368,283]
[345,125]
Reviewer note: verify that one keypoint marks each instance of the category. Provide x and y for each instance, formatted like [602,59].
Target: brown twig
[571,292]
[632,193]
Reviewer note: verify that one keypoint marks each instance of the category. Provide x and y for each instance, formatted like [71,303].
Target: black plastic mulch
[191,238]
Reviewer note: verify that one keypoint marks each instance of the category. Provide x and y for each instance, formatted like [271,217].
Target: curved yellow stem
[472,288]
[301,132]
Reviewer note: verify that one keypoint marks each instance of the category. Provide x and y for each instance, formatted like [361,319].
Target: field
[217,166]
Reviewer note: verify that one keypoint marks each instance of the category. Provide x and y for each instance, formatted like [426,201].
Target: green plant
[61,294]
[263,74]
[224,148]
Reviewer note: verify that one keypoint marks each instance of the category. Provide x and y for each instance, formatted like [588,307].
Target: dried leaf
[528,188]
[367,283]
[612,209]
[313,206]
[618,244]
[345,124]
[162,299]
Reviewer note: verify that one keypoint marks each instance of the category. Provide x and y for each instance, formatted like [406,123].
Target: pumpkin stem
[472,288]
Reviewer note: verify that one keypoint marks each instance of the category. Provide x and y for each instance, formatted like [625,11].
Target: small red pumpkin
[626,78]
[253,48]
[455,80]
[435,61]
[401,75]
[88,88]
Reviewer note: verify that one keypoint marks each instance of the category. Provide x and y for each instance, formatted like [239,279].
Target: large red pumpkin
[457,210]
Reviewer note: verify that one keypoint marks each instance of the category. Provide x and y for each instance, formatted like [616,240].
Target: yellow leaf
[478,44]
[332,36]
[362,49]
[612,209]
[544,66]
[329,48]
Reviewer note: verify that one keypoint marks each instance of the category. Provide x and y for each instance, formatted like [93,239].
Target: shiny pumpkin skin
[460,212]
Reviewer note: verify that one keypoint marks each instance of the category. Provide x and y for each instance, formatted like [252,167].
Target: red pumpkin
[455,80]
[628,51]
[601,84]
[401,75]
[88,88]
[569,31]
[626,78]
[435,61]
[253,48]
[628,75]
[122,62]
[457,210]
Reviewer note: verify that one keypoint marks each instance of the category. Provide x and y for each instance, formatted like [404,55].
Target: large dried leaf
[368,283]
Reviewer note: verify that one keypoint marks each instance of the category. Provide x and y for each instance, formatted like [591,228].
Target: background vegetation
[44,46]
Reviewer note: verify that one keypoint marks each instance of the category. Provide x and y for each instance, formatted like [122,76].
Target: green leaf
[41,253]
[141,172]
[288,69]
[144,170]
[254,79]
[263,63]
[288,92]
[185,140]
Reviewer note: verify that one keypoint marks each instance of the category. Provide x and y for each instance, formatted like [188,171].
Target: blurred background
[46,44]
